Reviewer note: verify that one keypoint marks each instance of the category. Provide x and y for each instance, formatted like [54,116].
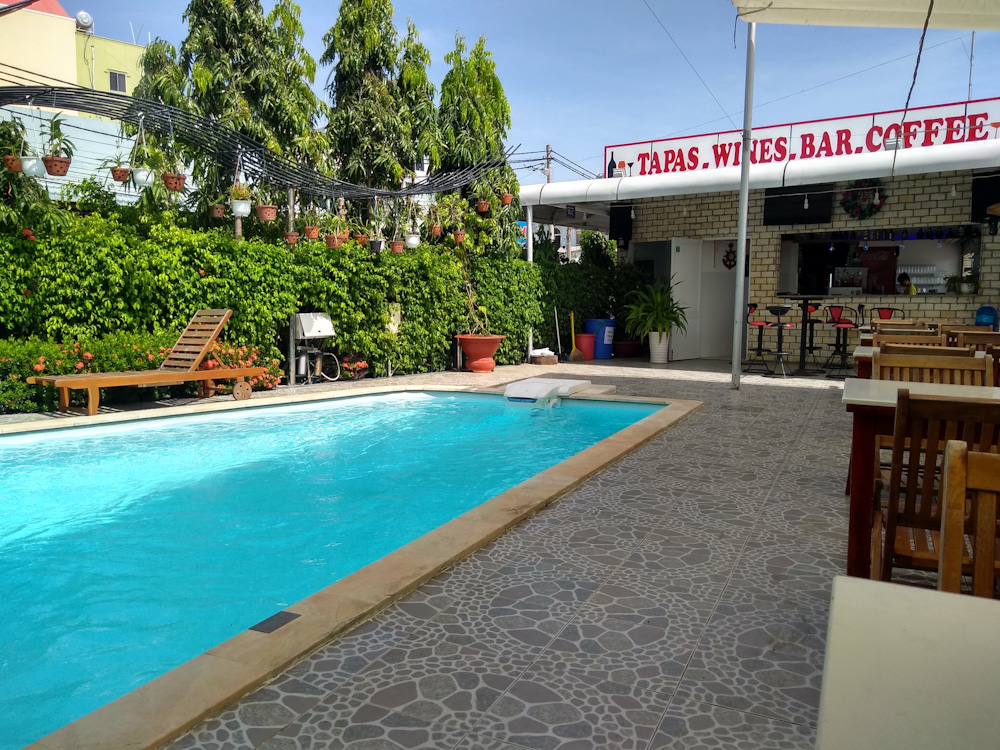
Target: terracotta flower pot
[332,240]
[12,162]
[291,237]
[218,210]
[482,206]
[397,246]
[345,235]
[266,212]
[312,233]
[120,174]
[174,182]
[506,199]
[479,351]
[459,235]
[57,166]
[435,230]
[361,238]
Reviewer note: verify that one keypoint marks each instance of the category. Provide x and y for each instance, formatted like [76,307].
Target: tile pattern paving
[677,599]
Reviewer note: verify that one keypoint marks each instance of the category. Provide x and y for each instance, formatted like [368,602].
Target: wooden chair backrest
[196,340]
[930,422]
[978,340]
[975,474]
[880,324]
[923,338]
[952,332]
[933,369]
[931,351]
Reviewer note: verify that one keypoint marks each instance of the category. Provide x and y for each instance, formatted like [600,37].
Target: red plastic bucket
[585,343]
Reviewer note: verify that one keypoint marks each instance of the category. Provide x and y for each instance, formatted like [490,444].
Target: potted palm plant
[655,312]
[59,148]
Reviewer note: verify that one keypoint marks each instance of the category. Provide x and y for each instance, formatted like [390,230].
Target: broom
[576,355]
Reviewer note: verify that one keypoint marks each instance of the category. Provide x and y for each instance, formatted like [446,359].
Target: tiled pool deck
[678,599]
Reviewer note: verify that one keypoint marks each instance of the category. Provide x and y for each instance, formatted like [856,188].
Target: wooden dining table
[873,404]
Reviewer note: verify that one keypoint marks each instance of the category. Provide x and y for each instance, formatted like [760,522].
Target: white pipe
[92,66]
[531,259]
[741,229]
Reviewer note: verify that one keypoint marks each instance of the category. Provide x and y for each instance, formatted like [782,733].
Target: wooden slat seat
[923,338]
[978,340]
[952,331]
[933,369]
[930,351]
[180,366]
[970,478]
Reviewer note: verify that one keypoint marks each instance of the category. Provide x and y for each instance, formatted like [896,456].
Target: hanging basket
[345,235]
[218,210]
[174,182]
[267,212]
[312,233]
[291,237]
[483,206]
[57,166]
[376,245]
[120,174]
[459,236]
[361,238]
[506,199]
[12,162]
[397,246]
[413,240]
[143,178]
[240,208]
[332,240]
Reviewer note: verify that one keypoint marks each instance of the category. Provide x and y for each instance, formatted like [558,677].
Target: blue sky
[581,74]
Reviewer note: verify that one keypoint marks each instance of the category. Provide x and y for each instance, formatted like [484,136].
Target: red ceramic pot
[479,351]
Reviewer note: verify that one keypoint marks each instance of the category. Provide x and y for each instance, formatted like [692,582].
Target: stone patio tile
[796,564]
[821,516]
[552,707]
[438,682]
[346,723]
[688,725]
[766,661]
[704,510]
[675,549]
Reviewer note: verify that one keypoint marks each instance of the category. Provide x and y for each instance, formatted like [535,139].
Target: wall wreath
[859,200]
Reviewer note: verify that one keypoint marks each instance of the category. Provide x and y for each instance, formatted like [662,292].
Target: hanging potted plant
[266,211]
[312,221]
[239,199]
[146,160]
[378,219]
[117,164]
[291,237]
[13,143]
[412,237]
[434,217]
[396,223]
[359,232]
[59,149]
[506,194]
[173,179]
[655,312]
[335,230]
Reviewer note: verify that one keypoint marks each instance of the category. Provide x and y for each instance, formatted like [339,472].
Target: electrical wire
[690,64]
[913,82]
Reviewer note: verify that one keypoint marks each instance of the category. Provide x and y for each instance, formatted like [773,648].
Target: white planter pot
[412,240]
[143,178]
[32,166]
[241,208]
[658,347]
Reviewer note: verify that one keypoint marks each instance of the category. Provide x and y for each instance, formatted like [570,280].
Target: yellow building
[44,44]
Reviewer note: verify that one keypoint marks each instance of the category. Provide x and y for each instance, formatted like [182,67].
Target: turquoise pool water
[126,550]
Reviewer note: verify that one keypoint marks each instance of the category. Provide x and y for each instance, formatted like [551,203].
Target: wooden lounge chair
[180,366]
[975,476]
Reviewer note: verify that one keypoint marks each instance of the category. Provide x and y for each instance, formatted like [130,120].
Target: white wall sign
[923,126]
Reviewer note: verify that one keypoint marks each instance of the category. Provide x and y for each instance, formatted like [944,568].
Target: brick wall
[919,201]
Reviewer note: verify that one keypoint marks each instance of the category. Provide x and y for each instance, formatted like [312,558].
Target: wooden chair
[923,338]
[885,314]
[952,332]
[911,516]
[933,369]
[977,474]
[931,351]
[978,340]
[879,324]
[180,366]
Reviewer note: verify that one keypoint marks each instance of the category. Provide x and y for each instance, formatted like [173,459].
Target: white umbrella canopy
[947,14]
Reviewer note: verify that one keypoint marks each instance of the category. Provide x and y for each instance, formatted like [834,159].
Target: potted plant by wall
[655,312]
[478,344]
[59,148]
[266,210]
[239,199]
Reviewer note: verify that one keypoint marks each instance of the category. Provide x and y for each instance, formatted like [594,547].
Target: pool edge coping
[158,712]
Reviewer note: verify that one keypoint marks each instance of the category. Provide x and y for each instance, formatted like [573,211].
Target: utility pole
[972,52]
[548,178]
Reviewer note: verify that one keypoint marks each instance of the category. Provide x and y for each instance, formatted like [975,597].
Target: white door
[685,269]
[718,290]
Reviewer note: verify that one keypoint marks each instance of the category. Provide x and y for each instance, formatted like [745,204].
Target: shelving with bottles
[924,278]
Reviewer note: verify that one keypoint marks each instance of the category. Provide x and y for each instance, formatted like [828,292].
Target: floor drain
[274,622]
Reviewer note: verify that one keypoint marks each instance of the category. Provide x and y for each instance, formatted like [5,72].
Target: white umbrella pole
[531,259]
[739,316]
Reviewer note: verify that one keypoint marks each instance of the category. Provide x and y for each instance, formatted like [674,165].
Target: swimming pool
[126,550]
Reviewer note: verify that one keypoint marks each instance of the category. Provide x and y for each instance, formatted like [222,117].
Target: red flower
[88,356]
[31,238]
[79,365]
[41,359]
[38,367]
[201,271]
[26,232]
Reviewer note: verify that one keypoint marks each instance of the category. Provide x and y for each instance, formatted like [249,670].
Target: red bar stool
[884,313]
[758,353]
[842,320]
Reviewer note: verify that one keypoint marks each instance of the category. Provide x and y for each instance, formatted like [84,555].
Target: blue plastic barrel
[604,330]
[986,316]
